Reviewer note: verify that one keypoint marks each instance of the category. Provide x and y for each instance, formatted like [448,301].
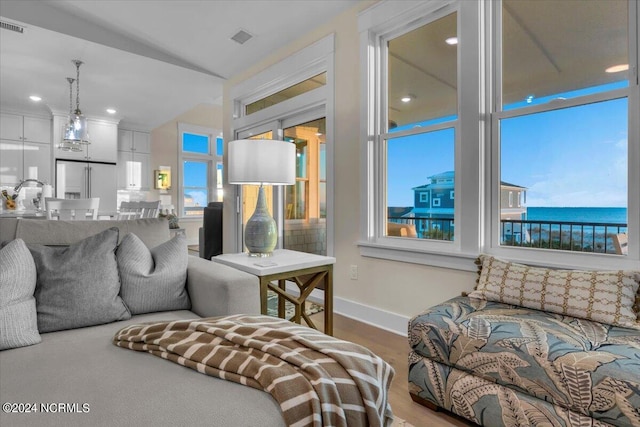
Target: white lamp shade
[262,161]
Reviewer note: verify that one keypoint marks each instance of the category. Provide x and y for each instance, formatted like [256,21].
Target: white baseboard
[382,319]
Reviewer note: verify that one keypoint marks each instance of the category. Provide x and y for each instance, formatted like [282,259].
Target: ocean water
[587,215]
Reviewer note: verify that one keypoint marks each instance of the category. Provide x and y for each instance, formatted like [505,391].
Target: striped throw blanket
[317,380]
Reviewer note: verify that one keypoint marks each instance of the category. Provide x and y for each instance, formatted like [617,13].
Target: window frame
[551,257]
[477,163]
[310,61]
[376,25]
[212,160]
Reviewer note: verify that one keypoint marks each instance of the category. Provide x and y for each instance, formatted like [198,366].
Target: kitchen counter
[33,214]
[25,213]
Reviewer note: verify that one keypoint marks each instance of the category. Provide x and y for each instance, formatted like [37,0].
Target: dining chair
[135,210]
[72,209]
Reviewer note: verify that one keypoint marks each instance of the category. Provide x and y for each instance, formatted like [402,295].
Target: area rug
[272,306]
[399,422]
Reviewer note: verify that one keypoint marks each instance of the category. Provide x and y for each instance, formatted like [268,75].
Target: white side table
[307,271]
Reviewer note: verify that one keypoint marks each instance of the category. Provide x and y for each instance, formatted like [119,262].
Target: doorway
[300,210]
[305,203]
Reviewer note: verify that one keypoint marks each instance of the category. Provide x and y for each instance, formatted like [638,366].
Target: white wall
[386,292]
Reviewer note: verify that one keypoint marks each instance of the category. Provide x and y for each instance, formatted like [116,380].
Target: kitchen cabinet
[11,162]
[103,137]
[134,157]
[25,148]
[18,160]
[130,140]
[25,128]
[133,171]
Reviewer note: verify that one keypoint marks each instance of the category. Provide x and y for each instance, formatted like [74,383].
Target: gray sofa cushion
[78,285]
[123,387]
[18,324]
[153,280]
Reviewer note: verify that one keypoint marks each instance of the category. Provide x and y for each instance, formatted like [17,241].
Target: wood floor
[394,350]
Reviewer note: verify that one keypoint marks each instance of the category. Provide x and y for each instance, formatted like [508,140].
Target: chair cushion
[18,321]
[78,285]
[603,296]
[153,280]
[588,367]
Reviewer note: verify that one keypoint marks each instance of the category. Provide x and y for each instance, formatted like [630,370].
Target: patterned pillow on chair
[602,296]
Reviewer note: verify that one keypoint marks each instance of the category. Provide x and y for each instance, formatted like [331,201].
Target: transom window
[288,93]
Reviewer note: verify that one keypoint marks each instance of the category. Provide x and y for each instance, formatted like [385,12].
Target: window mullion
[564,103]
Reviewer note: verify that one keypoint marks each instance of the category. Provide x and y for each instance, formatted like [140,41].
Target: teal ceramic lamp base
[261,233]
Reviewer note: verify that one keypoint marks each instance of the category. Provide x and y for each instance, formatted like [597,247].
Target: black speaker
[212,225]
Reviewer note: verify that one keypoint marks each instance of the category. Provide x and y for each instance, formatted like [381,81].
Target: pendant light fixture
[66,145]
[76,132]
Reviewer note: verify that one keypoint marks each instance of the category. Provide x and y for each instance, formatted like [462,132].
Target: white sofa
[85,380]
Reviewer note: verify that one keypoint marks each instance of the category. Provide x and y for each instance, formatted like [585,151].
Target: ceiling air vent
[241,37]
[12,27]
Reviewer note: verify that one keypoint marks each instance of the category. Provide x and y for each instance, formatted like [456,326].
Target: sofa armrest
[218,290]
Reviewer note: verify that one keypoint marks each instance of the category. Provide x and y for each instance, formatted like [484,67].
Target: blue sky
[566,158]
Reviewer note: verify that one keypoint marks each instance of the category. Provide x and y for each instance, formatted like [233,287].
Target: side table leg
[263,295]
[328,301]
[282,284]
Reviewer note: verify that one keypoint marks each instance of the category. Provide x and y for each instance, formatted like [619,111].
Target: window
[524,112]
[199,156]
[424,197]
[420,137]
[561,122]
[219,170]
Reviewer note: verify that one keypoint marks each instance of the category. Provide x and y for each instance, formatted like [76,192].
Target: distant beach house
[433,205]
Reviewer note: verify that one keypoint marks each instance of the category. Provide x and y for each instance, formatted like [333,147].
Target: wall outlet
[353,272]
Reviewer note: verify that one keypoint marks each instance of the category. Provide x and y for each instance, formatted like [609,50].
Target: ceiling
[546,51]
[149,60]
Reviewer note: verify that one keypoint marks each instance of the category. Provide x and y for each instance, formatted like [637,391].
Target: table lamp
[260,162]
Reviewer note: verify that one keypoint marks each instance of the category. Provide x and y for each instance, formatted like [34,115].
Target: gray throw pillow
[18,322]
[153,280]
[78,285]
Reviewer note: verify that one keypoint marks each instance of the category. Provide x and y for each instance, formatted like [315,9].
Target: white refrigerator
[82,180]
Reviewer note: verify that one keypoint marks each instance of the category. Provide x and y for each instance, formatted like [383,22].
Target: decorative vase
[261,233]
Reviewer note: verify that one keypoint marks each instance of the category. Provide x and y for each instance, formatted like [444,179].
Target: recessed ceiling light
[35,98]
[111,111]
[452,40]
[407,98]
[617,68]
